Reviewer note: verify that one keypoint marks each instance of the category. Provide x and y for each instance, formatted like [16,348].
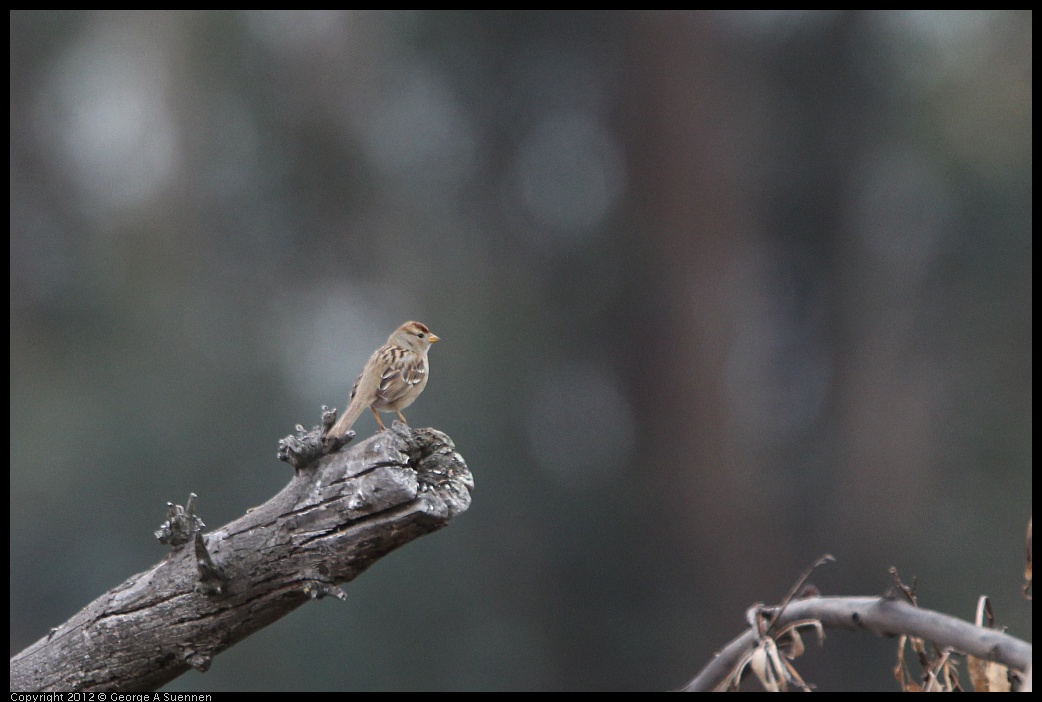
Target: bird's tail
[346,421]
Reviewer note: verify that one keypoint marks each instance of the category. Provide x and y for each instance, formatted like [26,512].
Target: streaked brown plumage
[392,379]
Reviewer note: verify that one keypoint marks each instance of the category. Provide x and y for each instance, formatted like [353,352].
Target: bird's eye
[419,334]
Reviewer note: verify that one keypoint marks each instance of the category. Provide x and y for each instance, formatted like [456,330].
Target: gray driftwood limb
[879,615]
[334,519]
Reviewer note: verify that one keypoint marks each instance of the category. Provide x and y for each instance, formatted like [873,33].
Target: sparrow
[392,379]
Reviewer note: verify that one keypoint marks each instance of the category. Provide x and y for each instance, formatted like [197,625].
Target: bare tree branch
[884,617]
[335,518]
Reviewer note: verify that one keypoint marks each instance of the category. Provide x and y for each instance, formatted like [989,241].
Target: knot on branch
[308,445]
[317,589]
[212,577]
[199,661]
[181,523]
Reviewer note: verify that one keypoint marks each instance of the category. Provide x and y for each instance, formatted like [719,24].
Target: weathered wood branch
[336,517]
[881,616]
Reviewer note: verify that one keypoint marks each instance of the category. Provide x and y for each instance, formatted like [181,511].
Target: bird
[392,379]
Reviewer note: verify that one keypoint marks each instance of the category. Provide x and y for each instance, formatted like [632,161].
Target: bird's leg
[377,415]
[402,417]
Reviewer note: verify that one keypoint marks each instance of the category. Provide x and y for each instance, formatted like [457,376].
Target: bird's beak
[433,337]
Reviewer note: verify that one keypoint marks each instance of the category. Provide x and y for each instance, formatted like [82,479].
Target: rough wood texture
[334,519]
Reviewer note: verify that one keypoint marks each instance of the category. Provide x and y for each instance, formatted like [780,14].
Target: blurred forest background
[720,292]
